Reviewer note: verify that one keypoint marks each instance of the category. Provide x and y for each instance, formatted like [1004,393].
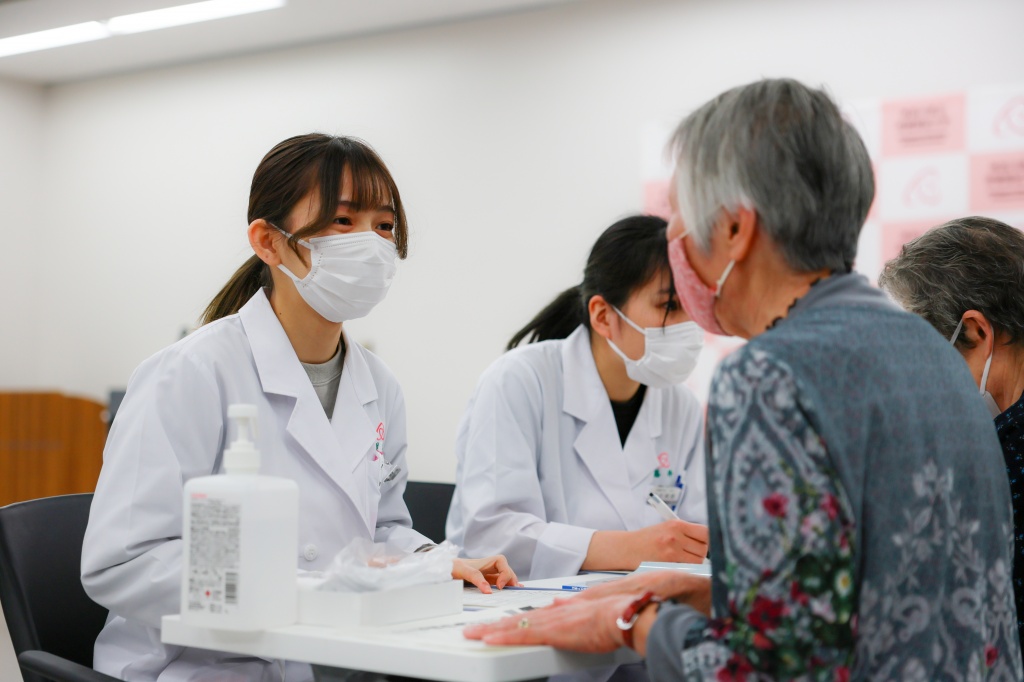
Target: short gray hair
[966,264]
[783,150]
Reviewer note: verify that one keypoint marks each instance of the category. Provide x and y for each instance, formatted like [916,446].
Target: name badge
[669,493]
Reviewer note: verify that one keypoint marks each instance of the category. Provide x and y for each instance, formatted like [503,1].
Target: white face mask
[990,402]
[349,274]
[670,353]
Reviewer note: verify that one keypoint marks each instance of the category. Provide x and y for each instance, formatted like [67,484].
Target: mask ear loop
[956,332]
[988,366]
[283,268]
[988,362]
[721,280]
[288,235]
[630,322]
[725,273]
[634,325]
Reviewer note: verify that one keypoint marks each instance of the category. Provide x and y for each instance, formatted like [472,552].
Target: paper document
[509,599]
[582,580]
[447,632]
[694,569]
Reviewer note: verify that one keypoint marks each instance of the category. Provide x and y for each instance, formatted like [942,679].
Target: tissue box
[387,607]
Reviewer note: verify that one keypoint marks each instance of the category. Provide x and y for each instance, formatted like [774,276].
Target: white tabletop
[431,649]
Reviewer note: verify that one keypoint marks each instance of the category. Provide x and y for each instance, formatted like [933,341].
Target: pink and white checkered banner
[935,158]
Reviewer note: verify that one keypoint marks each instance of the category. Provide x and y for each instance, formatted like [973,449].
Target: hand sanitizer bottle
[240,541]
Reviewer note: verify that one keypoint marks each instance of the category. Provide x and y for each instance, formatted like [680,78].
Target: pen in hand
[659,506]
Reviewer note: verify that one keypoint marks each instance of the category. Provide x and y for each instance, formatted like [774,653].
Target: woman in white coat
[564,439]
[326,224]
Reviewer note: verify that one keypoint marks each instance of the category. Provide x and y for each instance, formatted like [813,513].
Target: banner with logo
[935,158]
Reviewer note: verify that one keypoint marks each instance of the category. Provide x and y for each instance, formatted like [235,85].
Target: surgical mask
[349,274]
[670,353]
[990,402]
[697,298]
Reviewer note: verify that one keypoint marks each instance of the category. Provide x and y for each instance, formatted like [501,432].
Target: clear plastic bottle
[240,541]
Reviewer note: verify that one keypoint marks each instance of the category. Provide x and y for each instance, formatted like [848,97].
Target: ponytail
[247,280]
[556,321]
[625,257]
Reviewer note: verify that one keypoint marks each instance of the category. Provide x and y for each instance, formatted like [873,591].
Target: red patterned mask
[698,299]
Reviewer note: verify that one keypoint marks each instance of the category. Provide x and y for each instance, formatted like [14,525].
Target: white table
[428,649]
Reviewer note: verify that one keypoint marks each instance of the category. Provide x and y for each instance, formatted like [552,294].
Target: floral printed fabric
[975,623]
[788,536]
[937,604]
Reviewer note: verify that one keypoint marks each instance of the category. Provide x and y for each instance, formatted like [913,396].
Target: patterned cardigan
[859,508]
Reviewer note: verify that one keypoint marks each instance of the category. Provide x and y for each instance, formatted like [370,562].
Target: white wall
[515,141]
[21,217]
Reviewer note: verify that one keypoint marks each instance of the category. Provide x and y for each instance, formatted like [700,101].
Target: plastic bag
[365,566]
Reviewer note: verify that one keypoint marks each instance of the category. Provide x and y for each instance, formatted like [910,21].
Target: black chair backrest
[428,505]
[40,577]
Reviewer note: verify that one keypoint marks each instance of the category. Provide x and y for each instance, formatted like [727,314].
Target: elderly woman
[859,514]
[966,278]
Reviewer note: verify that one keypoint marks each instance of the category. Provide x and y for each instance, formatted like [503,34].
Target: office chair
[428,505]
[53,623]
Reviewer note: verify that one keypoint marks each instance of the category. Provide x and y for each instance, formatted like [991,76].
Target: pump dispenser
[240,540]
[242,457]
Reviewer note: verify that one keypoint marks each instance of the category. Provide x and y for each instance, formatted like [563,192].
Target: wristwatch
[628,619]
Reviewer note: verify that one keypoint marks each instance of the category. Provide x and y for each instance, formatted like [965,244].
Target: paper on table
[694,569]
[508,599]
[584,579]
[447,632]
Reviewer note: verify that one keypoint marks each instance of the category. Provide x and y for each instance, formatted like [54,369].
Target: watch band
[628,619]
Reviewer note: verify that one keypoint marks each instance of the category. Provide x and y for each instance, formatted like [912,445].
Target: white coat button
[310,552]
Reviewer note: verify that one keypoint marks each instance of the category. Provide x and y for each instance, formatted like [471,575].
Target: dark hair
[966,264]
[290,171]
[624,258]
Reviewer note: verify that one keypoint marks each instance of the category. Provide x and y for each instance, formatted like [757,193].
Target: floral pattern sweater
[860,528]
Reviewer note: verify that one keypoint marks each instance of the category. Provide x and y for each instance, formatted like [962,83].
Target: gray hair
[783,150]
[966,264]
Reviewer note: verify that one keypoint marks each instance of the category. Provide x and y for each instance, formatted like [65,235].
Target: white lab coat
[172,426]
[541,465]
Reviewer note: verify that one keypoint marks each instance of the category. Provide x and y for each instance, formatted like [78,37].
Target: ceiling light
[133,23]
[55,37]
[188,14]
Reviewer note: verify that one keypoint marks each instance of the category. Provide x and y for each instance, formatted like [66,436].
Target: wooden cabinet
[50,444]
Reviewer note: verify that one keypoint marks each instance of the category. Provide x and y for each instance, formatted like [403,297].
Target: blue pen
[682,489]
[563,588]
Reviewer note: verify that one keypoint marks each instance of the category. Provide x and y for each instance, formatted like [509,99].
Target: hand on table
[492,570]
[575,624]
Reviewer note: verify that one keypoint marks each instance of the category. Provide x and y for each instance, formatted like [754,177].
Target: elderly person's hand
[492,570]
[686,588]
[574,624]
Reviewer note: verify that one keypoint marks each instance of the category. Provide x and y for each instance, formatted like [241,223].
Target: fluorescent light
[133,23]
[188,14]
[55,37]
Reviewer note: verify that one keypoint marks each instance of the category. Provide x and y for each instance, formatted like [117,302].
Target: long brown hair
[289,172]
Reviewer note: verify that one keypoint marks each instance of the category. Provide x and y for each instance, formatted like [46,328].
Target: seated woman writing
[858,525]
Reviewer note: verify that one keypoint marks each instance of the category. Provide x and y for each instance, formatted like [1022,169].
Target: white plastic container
[240,537]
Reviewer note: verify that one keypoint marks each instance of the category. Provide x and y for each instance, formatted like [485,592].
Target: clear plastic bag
[365,566]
